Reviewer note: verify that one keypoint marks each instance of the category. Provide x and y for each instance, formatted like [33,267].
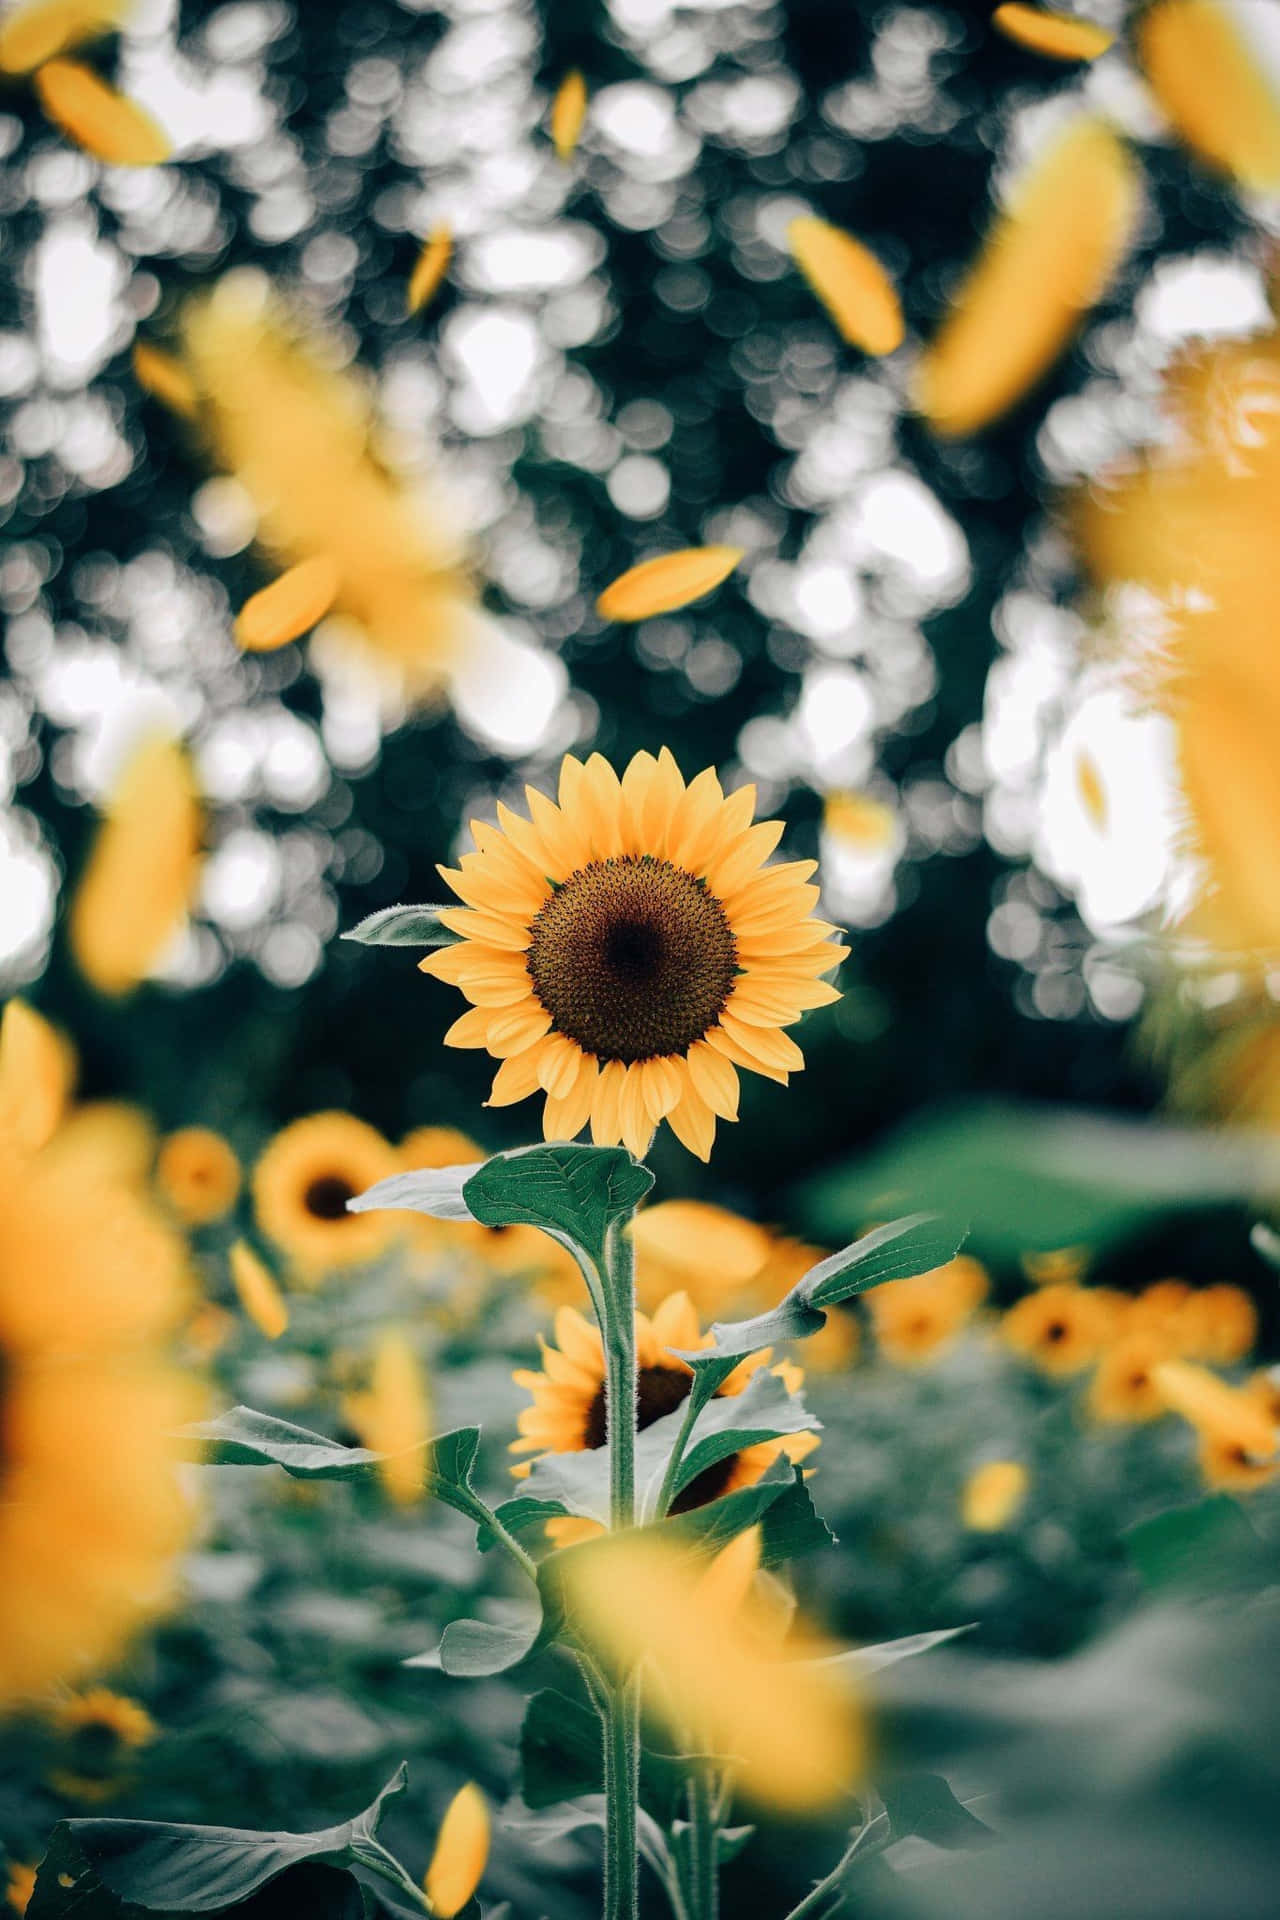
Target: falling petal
[37,1069]
[568,111]
[461,1853]
[671,581]
[166,380]
[1212,85]
[850,282]
[1060,36]
[258,1293]
[431,268]
[107,124]
[1045,263]
[289,607]
[38,31]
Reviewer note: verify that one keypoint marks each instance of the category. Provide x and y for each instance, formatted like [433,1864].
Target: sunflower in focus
[1060,1329]
[98,1733]
[627,953]
[916,1318]
[198,1174]
[568,1394]
[92,1286]
[303,1182]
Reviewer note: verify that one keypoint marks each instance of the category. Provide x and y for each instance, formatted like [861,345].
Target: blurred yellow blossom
[289,607]
[257,1291]
[1211,81]
[37,1074]
[99,1731]
[1062,1329]
[198,1174]
[568,112]
[430,268]
[393,1416]
[301,1186]
[705,1251]
[994,1495]
[667,583]
[33,31]
[1060,36]
[916,1319]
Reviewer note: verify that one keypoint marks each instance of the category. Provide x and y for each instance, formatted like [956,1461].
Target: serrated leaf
[905,1247]
[436,1191]
[574,1193]
[403,926]
[166,1868]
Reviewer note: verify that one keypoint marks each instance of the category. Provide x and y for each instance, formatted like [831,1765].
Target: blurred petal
[671,581]
[850,282]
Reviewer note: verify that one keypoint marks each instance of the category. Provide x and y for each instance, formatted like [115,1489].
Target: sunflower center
[659,1390]
[632,958]
[327,1196]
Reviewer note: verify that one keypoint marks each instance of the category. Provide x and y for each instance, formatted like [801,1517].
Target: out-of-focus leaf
[923,1805]
[403,927]
[886,1653]
[562,1758]
[557,1823]
[1211,1543]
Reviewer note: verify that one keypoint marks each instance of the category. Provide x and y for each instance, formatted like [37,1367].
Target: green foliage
[403,927]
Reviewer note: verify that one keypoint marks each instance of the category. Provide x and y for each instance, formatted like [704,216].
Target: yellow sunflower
[628,951]
[1219,1325]
[915,1319]
[1061,1329]
[20,1885]
[568,1394]
[98,1732]
[92,1284]
[303,1182]
[714,1256]
[198,1175]
[1123,1391]
[1238,1438]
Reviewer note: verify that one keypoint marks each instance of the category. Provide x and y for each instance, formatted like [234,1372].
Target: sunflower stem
[621,1789]
[622,1721]
[704,1867]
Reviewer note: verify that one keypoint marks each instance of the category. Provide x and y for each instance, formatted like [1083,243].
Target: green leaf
[1211,1543]
[917,1244]
[862,1661]
[562,1758]
[922,1804]
[574,1193]
[780,1505]
[404,927]
[433,1190]
[167,1869]
[764,1410]
[1266,1244]
[243,1438]
[476,1649]
[68,1889]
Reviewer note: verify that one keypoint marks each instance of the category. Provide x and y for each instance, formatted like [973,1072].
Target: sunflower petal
[568,112]
[850,282]
[694,1125]
[430,268]
[1059,36]
[1213,87]
[289,607]
[103,122]
[672,580]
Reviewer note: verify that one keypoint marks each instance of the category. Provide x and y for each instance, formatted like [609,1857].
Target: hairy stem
[704,1867]
[622,1718]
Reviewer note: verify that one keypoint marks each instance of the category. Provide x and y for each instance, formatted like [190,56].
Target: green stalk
[622,1719]
[621,1789]
[704,1867]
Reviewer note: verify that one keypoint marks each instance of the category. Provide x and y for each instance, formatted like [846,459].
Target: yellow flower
[21,1885]
[850,282]
[298,433]
[627,952]
[568,1394]
[1045,263]
[1062,1329]
[198,1175]
[1238,1436]
[707,1252]
[1212,84]
[393,1417]
[1058,1266]
[667,583]
[785,1718]
[915,1319]
[1123,1389]
[1159,1309]
[37,1073]
[303,1182]
[105,123]
[257,1291]
[106,1140]
[92,1284]
[289,607]
[461,1853]
[431,267]
[99,1731]
[34,31]
[568,111]
[859,822]
[993,1495]
[1218,1325]
[1060,36]
[135,891]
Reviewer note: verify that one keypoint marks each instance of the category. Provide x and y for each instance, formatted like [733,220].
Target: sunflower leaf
[916,1244]
[765,1410]
[477,1649]
[562,1758]
[574,1193]
[166,1868]
[862,1661]
[402,926]
[433,1190]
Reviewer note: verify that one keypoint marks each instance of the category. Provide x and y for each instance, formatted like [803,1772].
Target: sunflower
[915,1319]
[198,1174]
[568,1411]
[91,1285]
[303,1182]
[1122,1390]
[714,1256]
[1238,1439]
[98,1731]
[627,952]
[1219,1325]
[1061,1329]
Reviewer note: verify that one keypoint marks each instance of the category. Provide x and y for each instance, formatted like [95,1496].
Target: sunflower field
[640,959]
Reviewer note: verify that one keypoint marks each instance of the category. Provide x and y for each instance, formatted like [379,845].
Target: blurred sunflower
[1238,1438]
[1123,1390]
[198,1174]
[301,1186]
[1061,1329]
[915,1319]
[98,1733]
[20,1885]
[994,1495]
[627,952]
[705,1251]
[1218,1325]
[93,1516]
[568,1394]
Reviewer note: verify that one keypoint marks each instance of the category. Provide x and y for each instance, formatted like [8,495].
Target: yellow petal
[670,581]
[568,111]
[431,268]
[142,870]
[37,1070]
[694,1124]
[105,123]
[461,1855]
[850,282]
[258,1293]
[1060,36]
[993,1494]
[1214,1408]
[606,1111]
[1212,84]
[515,1080]
[35,32]
[289,607]
[166,380]
[1044,264]
[394,1417]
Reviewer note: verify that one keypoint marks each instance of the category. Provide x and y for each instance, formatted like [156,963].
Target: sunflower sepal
[404,926]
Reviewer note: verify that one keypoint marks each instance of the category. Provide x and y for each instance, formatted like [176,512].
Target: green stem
[507,1541]
[692,1408]
[621,1788]
[869,1839]
[375,1857]
[704,1867]
[622,1719]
